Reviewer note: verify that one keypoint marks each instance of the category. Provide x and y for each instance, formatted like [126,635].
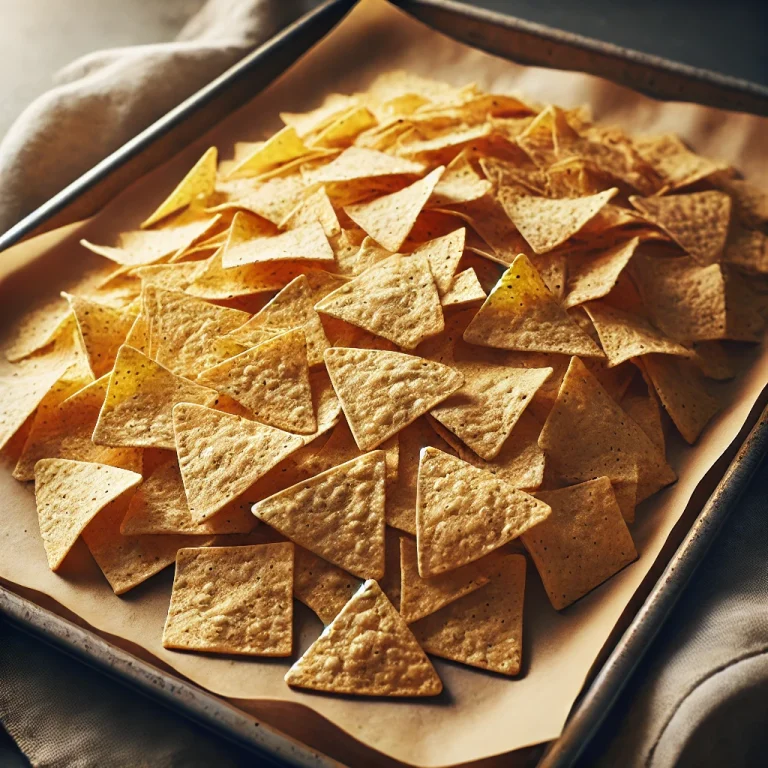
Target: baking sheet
[479,714]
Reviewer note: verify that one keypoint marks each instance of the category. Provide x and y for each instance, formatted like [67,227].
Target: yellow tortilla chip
[463,513]
[464,291]
[174,277]
[460,183]
[419,597]
[198,183]
[338,514]
[270,201]
[546,223]
[303,243]
[583,542]
[396,299]
[484,628]
[65,431]
[138,406]
[624,336]
[444,254]
[315,207]
[521,313]
[39,327]
[280,148]
[345,128]
[367,650]
[221,455]
[390,218]
[271,380]
[326,405]
[381,392]
[698,222]
[361,163]
[446,145]
[675,163]
[370,253]
[553,270]
[232,600]
[69,494]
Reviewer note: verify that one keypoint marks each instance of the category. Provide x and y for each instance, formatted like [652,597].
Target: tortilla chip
[588,435]
[140,397]
[369,254]
[390,218]
[69,494]
[382,392]
[320,585]
[221,455]
[37,328]
[698,222]
[593,275]
[444,254]
[368,649]
[553,270]
[521,313]
[750,203]
[271,380]
[583,542]
[485,410]
[675,163]
[484,628]
[345,128]
[338,514]
[624,336]
[643,408]
[65,431]
[464,291]
[396,299]
[713,360]
[280,148]
[463,513]
[303,243]
[325,403]
[446,145]
[682,393]
[460,183]
[360,163]
[173,277]
[315,207]
[747,249]
[547,223]
[420,597]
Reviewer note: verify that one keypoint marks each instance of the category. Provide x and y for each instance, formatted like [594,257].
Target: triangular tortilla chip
[463,513]
[160,506]
[271,202]
[325,403]
[675,163]
[338,514]
[69,494]
[546,223]
[102,330]
[588,435]
[360,163]
[698,223]
[367,650]
[643,408]
[390,218]
[396,299]
[553,270]
[484,628]
[682,393]
[583,542]
[624,336]
[65,433]
[593,275]
[303,243]
[198,183]
[39,326]
[419,597]
[370,253]
[521,313]
[173,277]
[460,183]
[271,380]
[444,254]
[139,402]
[221,455]
[485,410]
[464,291]
[245,607]
[381,392]
[446,145]
[292,307]
[316,206]
[747,249]
[345,128]
[283,146]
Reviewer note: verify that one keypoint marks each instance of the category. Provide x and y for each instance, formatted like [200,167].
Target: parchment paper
[480,714]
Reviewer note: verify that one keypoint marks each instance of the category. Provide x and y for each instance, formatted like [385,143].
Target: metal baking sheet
[504,36]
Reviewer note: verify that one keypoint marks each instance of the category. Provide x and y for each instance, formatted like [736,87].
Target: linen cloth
[701,696]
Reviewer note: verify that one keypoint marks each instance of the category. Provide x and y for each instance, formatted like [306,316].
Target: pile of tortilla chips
[355,361]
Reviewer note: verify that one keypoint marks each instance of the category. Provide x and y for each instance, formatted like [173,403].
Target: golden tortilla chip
[643,408]
[221,455]
[271,380]
[698,222]
[485,410]
[173,277]
[583,542]
[37,328]
[65,431]
[396,299]
[444,254]
[460,183]
[381,392]
[367,650]
[338,514]
[553,270]
[750,203]
[198,183]
[325,403]
[232,600]
[484,628]
[624,336]
[315,207]
[747,249]
[263,207]
[521,313]
[713,360]
[463,513]
[360,163]
[547,223]
[419,597]
[303,243]
[69,494]
[370,253]
[138,406]
[280,148]
[464,291]
[444,146]
[675,163]
[390,218]
[682,393]
[345,128]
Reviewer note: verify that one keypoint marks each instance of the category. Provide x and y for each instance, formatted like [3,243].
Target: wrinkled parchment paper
[479,714]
